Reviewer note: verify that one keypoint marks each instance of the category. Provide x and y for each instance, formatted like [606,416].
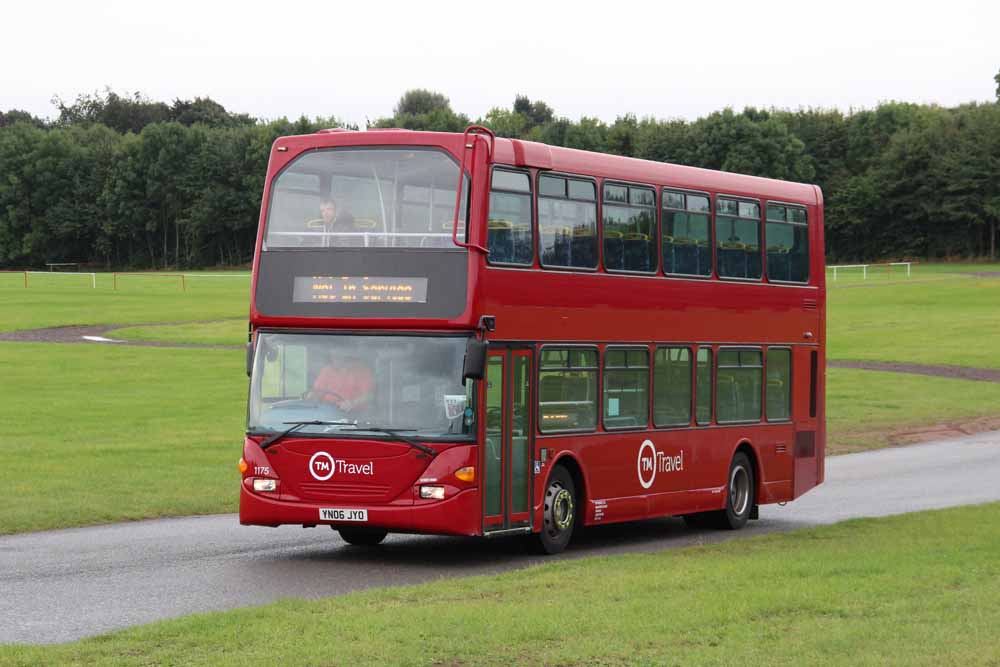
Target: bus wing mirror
[249,359]
[475,360]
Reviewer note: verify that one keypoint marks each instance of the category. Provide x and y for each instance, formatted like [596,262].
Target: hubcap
[558,509]
[739,490]
[562,510]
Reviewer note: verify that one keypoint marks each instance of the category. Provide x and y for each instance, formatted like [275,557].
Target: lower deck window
[703,386]
[567,389]
[672,386]
[738,385]
[779,384]
[626,388]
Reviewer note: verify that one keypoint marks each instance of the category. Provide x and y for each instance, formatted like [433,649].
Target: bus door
[506,457]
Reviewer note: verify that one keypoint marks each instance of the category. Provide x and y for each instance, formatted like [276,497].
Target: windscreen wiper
[395,432]
[295,427]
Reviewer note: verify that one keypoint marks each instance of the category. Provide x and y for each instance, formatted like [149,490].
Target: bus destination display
[359,289]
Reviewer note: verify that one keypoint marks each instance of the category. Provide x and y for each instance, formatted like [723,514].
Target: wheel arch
[572,465]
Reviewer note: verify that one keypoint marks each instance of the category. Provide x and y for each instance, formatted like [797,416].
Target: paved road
[66,584]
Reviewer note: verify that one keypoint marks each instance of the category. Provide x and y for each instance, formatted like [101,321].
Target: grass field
[57,300]
[947,322]
[866,408]
[918,589]
[222,332]
[95,434]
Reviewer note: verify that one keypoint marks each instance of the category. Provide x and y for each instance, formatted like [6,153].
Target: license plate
[335,514]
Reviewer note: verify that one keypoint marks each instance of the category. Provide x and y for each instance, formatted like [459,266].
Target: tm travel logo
[651,462]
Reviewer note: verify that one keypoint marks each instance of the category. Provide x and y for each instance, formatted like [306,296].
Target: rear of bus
[360,415]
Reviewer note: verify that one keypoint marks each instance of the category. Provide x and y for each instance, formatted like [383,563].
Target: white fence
[93,276]
[864,268]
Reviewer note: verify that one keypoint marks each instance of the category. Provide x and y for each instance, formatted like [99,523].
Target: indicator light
[466,474]
[242,465]
[432,492]
[265,485]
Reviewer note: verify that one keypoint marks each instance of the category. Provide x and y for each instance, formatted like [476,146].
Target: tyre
[740,499]
[740,494]
[559,511]
[362,537]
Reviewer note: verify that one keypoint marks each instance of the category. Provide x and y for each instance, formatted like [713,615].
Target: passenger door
[506,456]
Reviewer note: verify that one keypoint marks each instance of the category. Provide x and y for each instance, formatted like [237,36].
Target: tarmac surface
[62,585]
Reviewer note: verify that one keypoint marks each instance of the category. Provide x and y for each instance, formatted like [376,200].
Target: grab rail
[471,130]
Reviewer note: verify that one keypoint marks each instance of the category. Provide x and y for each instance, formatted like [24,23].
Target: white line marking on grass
[101,339]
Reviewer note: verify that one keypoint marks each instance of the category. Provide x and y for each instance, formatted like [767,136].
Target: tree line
[128,182]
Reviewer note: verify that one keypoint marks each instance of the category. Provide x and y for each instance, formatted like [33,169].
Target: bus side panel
[807,447]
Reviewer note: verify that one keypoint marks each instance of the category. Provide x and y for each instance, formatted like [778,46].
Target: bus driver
[346,381]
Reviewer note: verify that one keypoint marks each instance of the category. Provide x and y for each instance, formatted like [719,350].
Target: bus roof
[574,161]
[520,153]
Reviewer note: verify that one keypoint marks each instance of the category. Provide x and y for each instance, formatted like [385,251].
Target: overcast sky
[353,60]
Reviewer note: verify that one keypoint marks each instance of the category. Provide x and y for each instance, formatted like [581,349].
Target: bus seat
[637,252]
[614,249]
[500,240]
[584,247]
[523,243]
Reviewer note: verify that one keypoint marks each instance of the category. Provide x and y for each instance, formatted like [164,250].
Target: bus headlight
[265,485]
[432,492]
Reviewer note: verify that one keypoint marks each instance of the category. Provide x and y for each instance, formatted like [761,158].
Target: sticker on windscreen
[454,405]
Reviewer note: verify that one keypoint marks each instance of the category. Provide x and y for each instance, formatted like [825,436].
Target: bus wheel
[740,494]
[559,512]
[362,537]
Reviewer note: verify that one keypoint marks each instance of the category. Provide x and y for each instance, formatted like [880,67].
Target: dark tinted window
[551,186]
[787,236]
[583,190]
[629,228]
[567,389]
[514,181]
[626,387]
[737,239]
[779,384]
[686,235]
[703,380]
[510,240]
[738,385]
[672,386]
[567,224]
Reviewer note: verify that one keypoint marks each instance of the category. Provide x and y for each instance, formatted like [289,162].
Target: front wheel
[559,512]
[362,537]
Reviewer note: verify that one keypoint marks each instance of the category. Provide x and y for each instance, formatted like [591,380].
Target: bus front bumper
[458,515]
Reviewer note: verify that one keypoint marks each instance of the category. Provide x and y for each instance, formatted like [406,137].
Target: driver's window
[284,373]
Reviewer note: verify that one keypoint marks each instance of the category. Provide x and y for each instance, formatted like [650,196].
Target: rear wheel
[559,513]
[362,537]
[740,494]
[740,499]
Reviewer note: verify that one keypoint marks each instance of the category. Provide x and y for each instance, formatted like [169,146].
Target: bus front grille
[343,490]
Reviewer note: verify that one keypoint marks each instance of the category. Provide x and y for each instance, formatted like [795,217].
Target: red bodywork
[533,306]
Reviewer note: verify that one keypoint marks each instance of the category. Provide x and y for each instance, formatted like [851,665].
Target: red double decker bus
[466,335]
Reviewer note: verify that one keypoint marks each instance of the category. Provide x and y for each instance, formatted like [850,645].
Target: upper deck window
[567,222]
[510,239]
[787,237]
[737,238]
[687,242]
[629,228]
[364,197]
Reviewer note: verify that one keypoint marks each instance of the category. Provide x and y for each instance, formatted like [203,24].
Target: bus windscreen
[365,197]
